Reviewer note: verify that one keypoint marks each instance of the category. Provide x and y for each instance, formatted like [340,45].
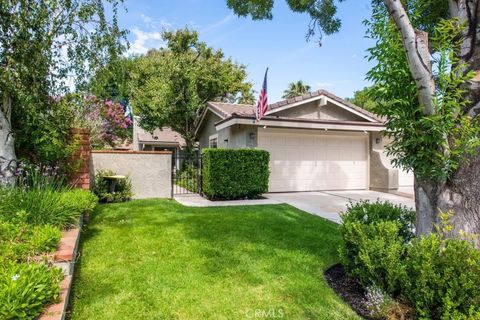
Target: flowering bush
[108,123]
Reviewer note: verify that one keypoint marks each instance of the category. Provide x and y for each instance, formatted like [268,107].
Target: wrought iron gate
[186,173]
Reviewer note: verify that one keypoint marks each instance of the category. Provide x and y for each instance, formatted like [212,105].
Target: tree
[365,98]
[172,85]
[432,112]
[296,89]
[42,45]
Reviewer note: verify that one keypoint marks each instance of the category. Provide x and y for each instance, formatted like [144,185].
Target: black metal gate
[186,173]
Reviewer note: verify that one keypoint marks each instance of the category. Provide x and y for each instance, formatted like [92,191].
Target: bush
[20,241]
[444,278]
[373,254]
[45,206]
[375,234]
[234,173]
[26,288]
[123,188]
[367,212]
[82,200]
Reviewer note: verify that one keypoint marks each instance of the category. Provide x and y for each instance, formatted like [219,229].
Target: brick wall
[81,178]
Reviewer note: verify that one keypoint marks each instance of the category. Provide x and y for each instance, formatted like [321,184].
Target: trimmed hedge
[229,174]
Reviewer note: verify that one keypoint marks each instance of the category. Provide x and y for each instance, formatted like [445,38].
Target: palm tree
[296,89]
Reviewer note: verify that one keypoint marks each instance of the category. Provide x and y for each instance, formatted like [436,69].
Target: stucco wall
[149,171]
[383,176]
[208,129]
[311,110]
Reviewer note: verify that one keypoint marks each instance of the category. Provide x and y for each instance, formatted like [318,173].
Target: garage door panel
[302,162]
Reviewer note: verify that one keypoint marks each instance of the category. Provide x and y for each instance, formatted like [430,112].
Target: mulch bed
[348,289]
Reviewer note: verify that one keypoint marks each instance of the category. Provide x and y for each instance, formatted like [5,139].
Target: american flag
[262,104]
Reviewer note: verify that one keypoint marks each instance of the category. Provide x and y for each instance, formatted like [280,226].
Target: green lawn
[156,259]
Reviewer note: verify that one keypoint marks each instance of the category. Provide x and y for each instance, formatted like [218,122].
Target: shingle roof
[330,95]
[226,110]
[165,134]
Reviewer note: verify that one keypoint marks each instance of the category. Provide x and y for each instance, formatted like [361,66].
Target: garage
[310,160]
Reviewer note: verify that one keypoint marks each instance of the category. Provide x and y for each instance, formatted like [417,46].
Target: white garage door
[309,161]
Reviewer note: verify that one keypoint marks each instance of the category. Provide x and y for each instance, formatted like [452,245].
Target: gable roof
[272,108]
[227,111]
[165,135]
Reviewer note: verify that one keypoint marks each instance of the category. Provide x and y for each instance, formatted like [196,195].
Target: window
[213,141]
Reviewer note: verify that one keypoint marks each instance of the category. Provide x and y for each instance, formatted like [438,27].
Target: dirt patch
[348,289]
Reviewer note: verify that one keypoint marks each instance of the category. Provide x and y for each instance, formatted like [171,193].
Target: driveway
[328,204]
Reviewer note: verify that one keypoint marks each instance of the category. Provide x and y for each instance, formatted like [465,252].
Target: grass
[156,259]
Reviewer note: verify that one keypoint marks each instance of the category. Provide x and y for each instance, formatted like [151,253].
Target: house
[317,141]
[161,139]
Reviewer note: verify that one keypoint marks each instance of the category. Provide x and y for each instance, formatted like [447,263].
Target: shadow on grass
[252,245]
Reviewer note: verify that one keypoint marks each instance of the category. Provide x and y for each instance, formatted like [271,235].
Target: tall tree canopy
[296,89]
[43,46]
[365,98]
[171,85]
[427,77]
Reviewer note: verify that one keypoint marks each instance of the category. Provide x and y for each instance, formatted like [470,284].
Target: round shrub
[373,253]
[367,212]
[443,278]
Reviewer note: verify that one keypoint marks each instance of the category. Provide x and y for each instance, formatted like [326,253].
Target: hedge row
[229,174]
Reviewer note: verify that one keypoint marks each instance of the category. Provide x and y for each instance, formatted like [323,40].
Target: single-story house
[160,140]
[316,141]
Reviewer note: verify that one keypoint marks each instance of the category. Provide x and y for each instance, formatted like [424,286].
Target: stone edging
[65,258]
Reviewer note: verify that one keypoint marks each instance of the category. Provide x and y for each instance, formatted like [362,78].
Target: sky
[338,66]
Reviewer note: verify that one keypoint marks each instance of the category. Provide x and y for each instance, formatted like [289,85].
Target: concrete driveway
[328,204]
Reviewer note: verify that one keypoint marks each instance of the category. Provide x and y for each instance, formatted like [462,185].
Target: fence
[149,171]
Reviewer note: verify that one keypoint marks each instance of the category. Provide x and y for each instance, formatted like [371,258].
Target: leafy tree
[43,44]
[173,84]
[365,98]
[296,89]
[430,91]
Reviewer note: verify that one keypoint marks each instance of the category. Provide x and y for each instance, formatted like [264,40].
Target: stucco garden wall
[149,171]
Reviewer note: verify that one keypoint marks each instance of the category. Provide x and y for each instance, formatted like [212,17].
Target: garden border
[65,258]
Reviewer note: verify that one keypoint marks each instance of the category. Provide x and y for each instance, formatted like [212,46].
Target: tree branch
[418,55]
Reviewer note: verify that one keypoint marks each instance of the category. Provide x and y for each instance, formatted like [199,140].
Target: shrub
[26,288]
[20,241]
[234,173]
[82,200]
[373,254]
[444,278]
[45,206]
[375,236]
[368,212]
[123,188]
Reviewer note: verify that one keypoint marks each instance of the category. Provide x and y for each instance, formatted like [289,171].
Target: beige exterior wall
[383,175]
[208,129]
[312,110]
[150,172]
[236,136]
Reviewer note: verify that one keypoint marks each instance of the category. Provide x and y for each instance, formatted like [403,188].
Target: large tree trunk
[7,150]
[460,195]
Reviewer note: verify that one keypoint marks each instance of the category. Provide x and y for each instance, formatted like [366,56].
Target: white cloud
[144,41]
[152,23]
[219,23]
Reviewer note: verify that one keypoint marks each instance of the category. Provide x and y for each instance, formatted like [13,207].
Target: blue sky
[338,66]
